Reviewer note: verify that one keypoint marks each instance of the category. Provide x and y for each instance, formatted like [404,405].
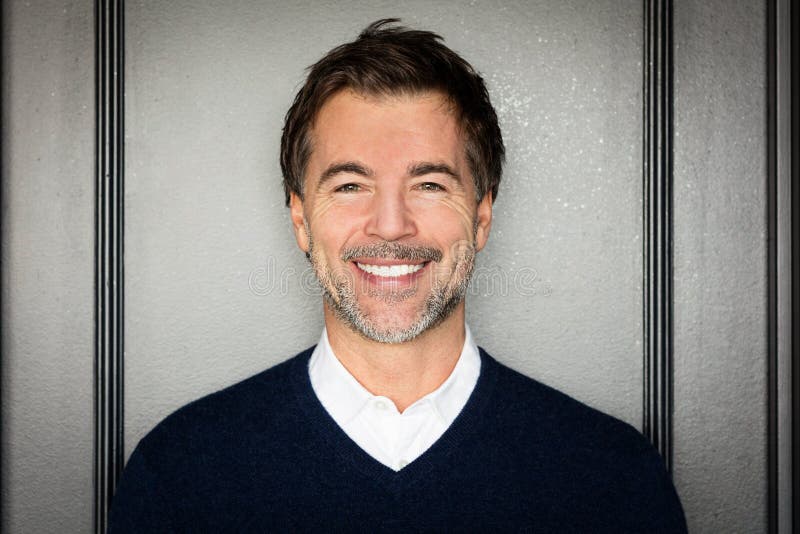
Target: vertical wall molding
[783,366]
[657,245]
[791,70]
[772,268]
[108,444]
[781,263]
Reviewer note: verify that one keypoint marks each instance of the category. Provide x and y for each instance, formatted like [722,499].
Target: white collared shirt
[372,421]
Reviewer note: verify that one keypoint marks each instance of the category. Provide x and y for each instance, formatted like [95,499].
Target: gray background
[47,266]
[720,264]
[204,198]
[216,289]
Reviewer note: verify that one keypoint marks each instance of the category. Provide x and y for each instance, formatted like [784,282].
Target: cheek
[447,220]
[333,233]
[324,220]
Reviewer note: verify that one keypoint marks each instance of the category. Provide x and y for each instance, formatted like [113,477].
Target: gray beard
[440,304]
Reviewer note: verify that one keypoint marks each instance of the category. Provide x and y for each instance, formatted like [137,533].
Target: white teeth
[390,270]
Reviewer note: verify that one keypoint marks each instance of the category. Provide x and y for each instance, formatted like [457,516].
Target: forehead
[408,124]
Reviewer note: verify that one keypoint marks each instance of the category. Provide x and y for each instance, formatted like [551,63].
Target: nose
[390,219]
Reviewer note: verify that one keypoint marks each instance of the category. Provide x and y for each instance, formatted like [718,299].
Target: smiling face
[389,216]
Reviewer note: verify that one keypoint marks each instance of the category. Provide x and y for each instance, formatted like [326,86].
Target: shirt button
[381,405]
[403,463]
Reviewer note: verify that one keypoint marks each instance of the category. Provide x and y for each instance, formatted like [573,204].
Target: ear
[298,221]
[484,217]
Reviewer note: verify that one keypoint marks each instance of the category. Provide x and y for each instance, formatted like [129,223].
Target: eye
[348,188]
[430,186]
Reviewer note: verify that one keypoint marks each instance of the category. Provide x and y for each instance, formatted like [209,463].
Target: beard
[447,290]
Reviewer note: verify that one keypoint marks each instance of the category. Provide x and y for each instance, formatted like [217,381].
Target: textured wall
[47,275]
[720,264]
[217,290]
[214,279]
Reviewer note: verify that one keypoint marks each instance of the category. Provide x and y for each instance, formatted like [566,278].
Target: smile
[390,271]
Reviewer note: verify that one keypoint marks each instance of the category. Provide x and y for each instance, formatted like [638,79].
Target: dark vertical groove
[4,41]
[657,244]
[794,71]
[109,113]
[772,270]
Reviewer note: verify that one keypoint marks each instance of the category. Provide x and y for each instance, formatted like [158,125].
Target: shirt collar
[344,397]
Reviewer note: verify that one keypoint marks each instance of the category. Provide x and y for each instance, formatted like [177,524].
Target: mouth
[391,266]
[381,271]
[390,271]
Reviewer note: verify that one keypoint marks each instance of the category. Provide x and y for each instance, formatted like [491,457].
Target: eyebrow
[423,168]
[350,167]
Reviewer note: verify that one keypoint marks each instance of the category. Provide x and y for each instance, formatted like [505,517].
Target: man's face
[389,216]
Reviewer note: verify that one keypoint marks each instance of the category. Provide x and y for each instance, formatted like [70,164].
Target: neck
[402,372]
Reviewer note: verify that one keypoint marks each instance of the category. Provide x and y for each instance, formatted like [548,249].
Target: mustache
[395,251]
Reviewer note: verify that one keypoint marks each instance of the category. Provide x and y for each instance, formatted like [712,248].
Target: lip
[395,282]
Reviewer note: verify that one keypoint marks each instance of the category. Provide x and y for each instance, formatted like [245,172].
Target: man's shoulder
[608,472]
[559,416]
[248,405]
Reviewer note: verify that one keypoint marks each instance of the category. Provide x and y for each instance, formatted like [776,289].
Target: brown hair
[393,60]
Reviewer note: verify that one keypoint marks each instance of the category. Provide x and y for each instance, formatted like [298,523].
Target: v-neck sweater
[373,422]
[264,455]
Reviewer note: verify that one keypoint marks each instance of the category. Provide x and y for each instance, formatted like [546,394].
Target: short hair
[391,60]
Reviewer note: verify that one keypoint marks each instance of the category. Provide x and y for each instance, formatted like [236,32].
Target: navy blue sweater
[264,455]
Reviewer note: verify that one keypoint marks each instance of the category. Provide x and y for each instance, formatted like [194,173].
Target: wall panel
[720,264]
[215,287]
[47,265]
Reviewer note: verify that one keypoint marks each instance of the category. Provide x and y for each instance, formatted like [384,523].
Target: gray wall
[216,290]
[720,264]
[558,290]
[48,262]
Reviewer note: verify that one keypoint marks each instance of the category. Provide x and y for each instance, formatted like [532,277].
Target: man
[396,420]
